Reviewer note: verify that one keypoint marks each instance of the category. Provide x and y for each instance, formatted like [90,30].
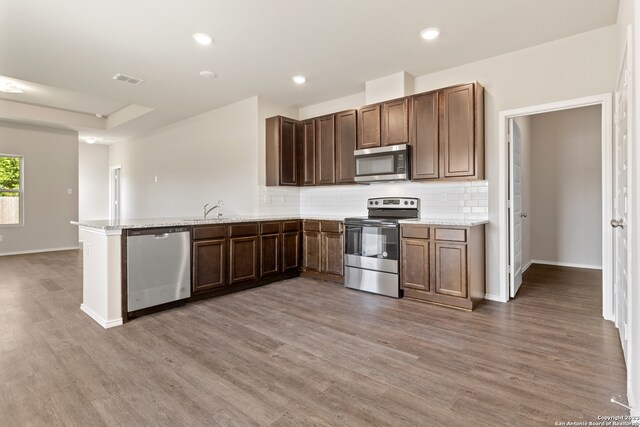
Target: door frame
[605,101]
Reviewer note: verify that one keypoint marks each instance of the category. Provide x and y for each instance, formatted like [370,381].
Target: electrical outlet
[69,191]
[0,237]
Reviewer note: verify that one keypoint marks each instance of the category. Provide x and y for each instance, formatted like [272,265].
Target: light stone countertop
[109,225]
[445,222]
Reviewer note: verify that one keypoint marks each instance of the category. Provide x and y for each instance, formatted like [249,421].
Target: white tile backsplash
[455,200]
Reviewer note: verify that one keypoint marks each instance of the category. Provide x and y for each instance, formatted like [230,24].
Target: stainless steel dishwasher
[158,266]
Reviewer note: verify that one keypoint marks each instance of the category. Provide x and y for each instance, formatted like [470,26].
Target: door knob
[617,223]
[523,215]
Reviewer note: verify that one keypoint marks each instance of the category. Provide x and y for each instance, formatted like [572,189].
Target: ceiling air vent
[128,79]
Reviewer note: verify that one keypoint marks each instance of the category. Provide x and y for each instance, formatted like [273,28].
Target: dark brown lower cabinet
[209,260]
[332,253]
[312,251]
[290,251]
[243,259]
[270,255]
[443,265]
[323,249]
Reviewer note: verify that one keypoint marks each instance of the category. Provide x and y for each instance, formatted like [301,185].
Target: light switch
[1,237]
[69,191]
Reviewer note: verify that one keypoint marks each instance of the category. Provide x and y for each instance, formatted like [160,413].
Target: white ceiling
[70,49]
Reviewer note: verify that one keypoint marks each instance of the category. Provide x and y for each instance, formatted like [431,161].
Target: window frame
[20,192]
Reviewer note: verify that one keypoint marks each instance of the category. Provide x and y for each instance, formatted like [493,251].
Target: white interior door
[114,194]
[621,202]
[515,207]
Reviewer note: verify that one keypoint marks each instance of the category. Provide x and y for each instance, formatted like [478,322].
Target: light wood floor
[304,352]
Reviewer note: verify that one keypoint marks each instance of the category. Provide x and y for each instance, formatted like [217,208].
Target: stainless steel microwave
[389,163]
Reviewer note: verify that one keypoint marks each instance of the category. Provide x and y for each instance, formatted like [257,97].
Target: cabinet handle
[523,215]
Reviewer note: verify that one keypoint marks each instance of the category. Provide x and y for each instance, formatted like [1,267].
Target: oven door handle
[372,225]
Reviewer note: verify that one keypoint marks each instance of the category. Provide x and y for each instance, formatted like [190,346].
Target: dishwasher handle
[158,233]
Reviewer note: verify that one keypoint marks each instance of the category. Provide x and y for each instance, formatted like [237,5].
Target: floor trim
[38,251]
[105,324]
[566,264]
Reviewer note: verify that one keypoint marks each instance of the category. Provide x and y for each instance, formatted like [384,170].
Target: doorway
[508,278]
[114,193]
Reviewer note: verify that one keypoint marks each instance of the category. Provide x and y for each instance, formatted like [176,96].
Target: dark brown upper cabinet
[325,150]
[447,133]
[308,149]
[369,127]
[424,141]
[461,122]
[346,131]
[281,152]
[395,122]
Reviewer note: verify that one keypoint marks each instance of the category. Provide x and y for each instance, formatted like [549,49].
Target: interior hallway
[305,352]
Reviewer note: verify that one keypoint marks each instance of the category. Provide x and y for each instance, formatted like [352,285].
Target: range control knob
[413,203]
[370,202]
[376,202]
[406,203]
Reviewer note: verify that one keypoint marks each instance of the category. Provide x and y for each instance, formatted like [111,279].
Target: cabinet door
[424,136]
[209,258]
[395,122]
[288,152]
[308,153]
[312,250]
[269,255]
[451,269]
[325,150]
[457,141]
[243,259]
[290,251]
[369,127]
[332,253]
[345,146]
[415,264]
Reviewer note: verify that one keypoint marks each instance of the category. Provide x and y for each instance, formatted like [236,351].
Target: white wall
[93,182]
[198,160]
[50,168]
[566,187]
[524,123]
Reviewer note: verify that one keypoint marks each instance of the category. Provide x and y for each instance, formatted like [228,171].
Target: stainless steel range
[372,245]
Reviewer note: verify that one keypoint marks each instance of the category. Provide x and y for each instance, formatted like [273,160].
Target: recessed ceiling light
[203,39]
[299,79]
[208,74]
[90,140]
[430,33]
[10,87]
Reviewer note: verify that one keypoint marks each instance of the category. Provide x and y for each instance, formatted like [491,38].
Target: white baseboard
[37,251]
[526,267]
[566,264]
[498,298]
[105,324]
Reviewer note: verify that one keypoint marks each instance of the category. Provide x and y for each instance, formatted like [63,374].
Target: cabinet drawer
[269,228]
[331,226]
[451,234]
[209,232]
[415,231]
[243,230]
[311,225]
[290,226]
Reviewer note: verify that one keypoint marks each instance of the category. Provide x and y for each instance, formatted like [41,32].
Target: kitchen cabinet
[395,122]
[308,152]
[369,127]
[282,152]
[291,246]
[270,249]
[443,265]
[325,150]
[243,252]
[346,141]
[447,133]
[323,248]
[209,256]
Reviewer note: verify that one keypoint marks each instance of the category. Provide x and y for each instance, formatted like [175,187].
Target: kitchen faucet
[206,211]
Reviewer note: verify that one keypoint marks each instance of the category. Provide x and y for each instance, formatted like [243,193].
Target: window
[10,189]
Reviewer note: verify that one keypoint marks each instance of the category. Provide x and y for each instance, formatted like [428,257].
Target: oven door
[372,245]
